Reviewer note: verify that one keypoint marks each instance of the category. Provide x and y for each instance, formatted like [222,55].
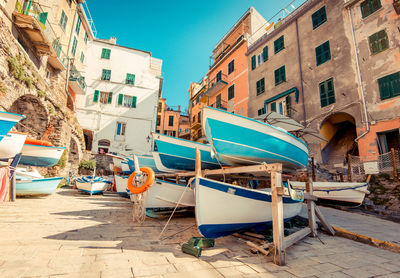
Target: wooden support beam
[324,223]
[311,209]
[258,248]
[136,163]
[246,237]
[297,236]
[198,163]
[348,168]
[277,218]
[310,197]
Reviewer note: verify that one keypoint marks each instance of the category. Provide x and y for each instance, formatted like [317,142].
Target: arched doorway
[73,155]
[103,145]
[36,120]
[340,132]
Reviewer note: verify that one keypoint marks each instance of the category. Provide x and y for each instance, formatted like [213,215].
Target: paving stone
[336,274]
[205,273]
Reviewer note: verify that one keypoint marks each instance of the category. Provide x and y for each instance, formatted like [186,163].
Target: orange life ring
[147,184]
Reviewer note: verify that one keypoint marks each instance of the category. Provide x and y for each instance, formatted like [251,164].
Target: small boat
[175,154]
[11,145]
[144,160]
[223,209]
[36,186]
[166,195]
[125,167]
[41,155]
[7,121]
[337,193]
[92,184]
[238,140]
[121,185]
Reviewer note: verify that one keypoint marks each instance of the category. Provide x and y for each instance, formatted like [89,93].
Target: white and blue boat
[92,184]
[238,140]
[223,209]
[144,160]
[7,121]
[40,155]
[175,154]
[125,167]
[36,186]
[11,145]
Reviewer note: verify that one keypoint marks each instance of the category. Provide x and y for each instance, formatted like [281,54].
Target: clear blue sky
[182,33]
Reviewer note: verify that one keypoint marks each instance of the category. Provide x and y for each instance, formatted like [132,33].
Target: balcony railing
[220,105]
[216,84]
[77,82]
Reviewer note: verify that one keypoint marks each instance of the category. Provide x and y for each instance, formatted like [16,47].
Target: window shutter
[96,96]
[384,87]
[109,97]
[288,105]
[43,18]
[273,106]
[253,62]
[134,101]
[120,99]
[265,53]
[322,94]
[283,74]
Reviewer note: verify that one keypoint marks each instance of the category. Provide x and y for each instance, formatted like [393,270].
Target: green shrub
[63,160]
[87,164]
[17,70]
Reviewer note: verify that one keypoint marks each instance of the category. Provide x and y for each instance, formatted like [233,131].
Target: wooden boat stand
[274,171]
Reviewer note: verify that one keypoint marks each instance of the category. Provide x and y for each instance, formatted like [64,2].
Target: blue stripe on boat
[38,161]
[183,163]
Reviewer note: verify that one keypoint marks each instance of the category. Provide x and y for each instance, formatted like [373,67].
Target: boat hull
[223,209]
[238,140]
[7,121]
[11,145]
[41,156]
[144,161]
[37,187]
[92,185]
[121,183]
[337,193]
[175,154]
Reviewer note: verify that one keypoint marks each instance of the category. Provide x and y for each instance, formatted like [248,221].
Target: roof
[126,47]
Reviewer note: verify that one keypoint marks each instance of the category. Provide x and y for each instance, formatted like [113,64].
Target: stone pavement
[364,224]
[74,235]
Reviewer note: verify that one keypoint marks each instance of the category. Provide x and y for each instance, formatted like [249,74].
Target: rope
[138,209]
[216,157]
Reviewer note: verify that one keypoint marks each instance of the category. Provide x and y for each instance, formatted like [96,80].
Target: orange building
[168,119]
[197,100]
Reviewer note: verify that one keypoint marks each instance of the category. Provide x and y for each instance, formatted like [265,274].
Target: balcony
[223,105]
[77,82]
[195,125]
[216,84]
[30,18]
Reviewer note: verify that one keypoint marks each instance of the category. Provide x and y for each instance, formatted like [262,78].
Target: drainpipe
[68,58]
[364,104]
[301,74]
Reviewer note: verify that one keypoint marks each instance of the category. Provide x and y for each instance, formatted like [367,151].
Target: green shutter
[109,97]
[273,106]
[253,62]
[43,18]
[133,102]
[265,53]
[322,95]
[120,99]
[96,96]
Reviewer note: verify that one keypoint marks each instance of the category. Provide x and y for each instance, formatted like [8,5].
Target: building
[184,127]
[169,119]
[197,100]
[119,109]
[309,70]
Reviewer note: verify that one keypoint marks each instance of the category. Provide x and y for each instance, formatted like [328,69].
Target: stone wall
[41,97]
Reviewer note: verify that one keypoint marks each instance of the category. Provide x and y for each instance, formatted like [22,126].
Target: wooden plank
[308,196]
[246,237]
[297,236]
[258,248]
[312,223]
[324,223]
[277,219]
[255,235]
[198,163]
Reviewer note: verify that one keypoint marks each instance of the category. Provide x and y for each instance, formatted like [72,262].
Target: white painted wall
[103,118]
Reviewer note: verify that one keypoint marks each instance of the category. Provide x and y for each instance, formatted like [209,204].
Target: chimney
[179,108]
[113,40]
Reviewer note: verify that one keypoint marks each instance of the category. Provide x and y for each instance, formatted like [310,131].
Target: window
[218,102]
[78,25]
[260,111]
[369,7]
[63,20]
[258,60]
[323,53]
[121,128]
[231,66]
[378,42]
[279,44]
[74,45]
[159,107]
[105,97]
[96,96]
[231,92]
[57,47]
[165,132]
[106,74]
[105,53]
[82,57]
[186,130]
[86,38]
[273,107]
[171,121]
[253,62]
[158,120]
[260,86]
[199,117]
[219,76]
[127,101]
[174,133]
[389,85]
[130,79]
[265,53]
[319,17]
[280,75]
[327,92]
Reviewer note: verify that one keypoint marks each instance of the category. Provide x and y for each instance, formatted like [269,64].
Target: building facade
[311,69]
[197,100]
[184,127]
[119,110]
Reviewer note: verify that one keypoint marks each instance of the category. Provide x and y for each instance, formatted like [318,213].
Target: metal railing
[216,79]
[76,76]
[220,105]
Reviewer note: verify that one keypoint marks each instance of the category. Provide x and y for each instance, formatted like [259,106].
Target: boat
[36,186]
[144,160]
[337,193]
[125,167]
[223,209]
[238,140]
[175,154]
[7,121]
[166,195]
[41,155]
[92,184]
[121,185]
[11,145]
